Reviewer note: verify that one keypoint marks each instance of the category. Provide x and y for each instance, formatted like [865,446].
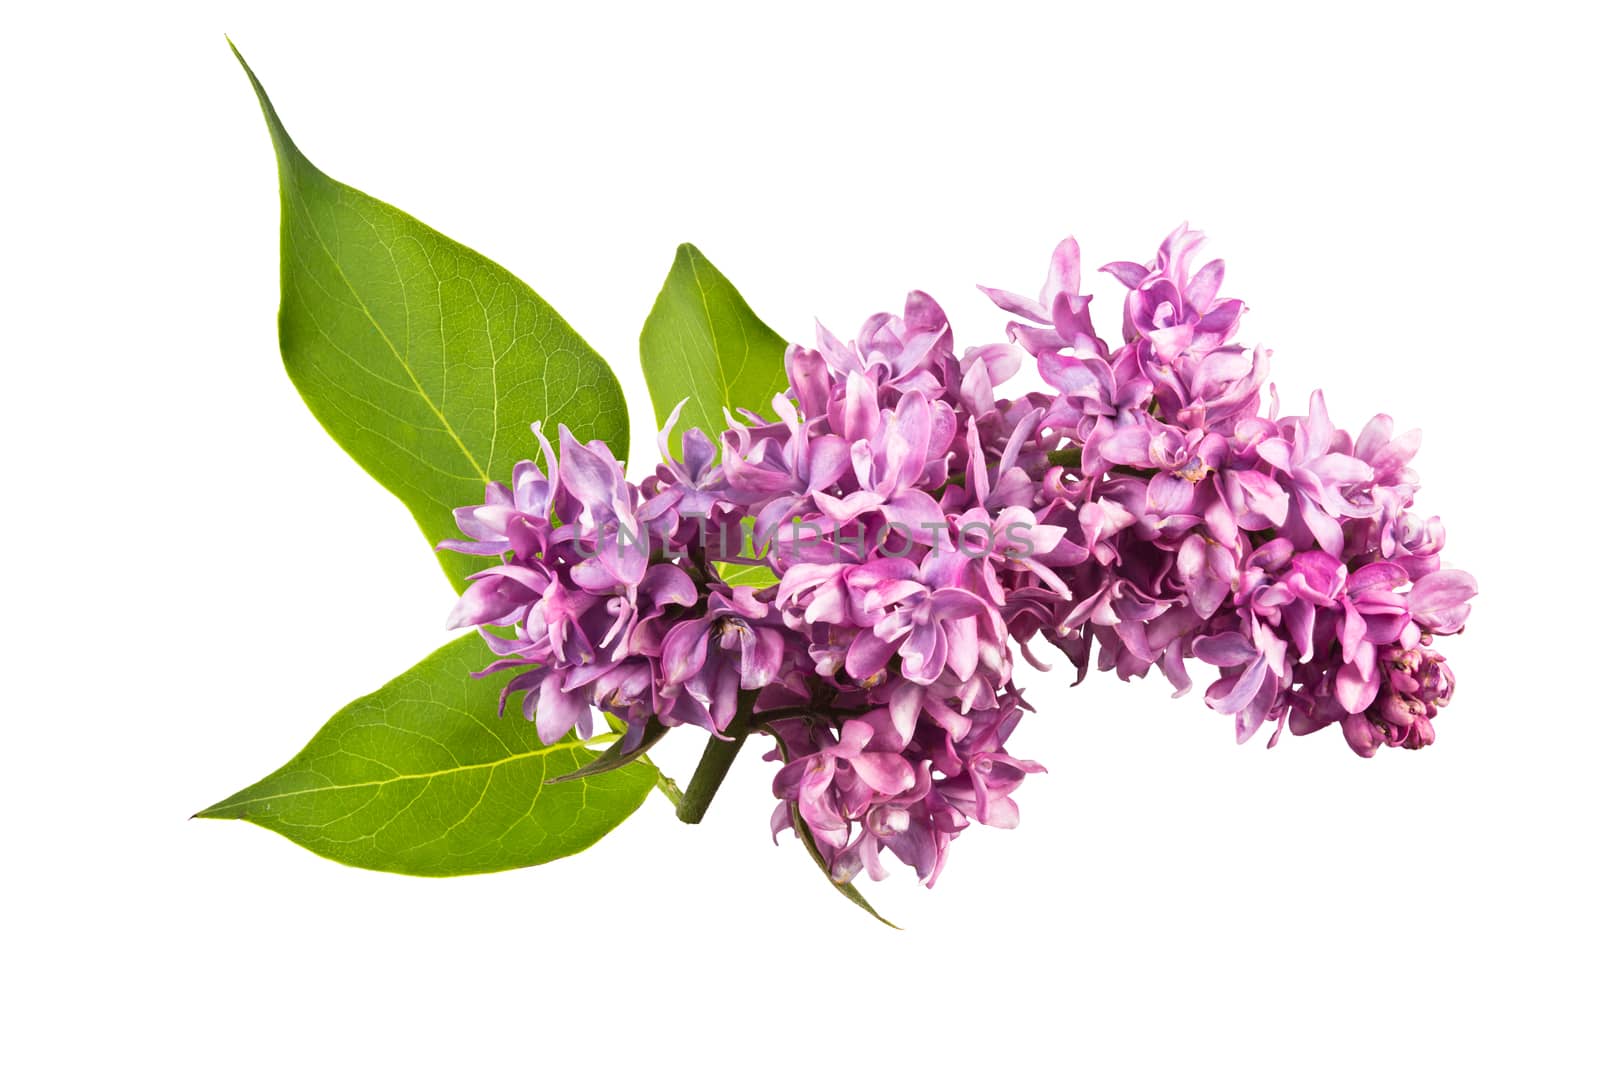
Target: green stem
[1067,456]
[667,786]
[715,762]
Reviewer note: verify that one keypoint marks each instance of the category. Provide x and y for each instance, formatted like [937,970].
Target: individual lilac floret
[733,647]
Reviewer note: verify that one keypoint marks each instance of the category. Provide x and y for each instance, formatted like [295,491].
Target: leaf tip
[288,154]
[213,811]
[240,57]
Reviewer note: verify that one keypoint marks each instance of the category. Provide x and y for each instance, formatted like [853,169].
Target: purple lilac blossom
[1145,510]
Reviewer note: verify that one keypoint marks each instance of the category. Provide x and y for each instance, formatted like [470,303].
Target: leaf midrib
[711,334]
[416,384]
[566,745]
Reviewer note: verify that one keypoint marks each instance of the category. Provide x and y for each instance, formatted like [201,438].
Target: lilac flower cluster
[1144,511]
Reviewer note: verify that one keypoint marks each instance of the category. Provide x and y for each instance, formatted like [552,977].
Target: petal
[683,651]
[584,474]
[808,377]
[489,600]
[762,658]
[1017,305]
[867,656]
[1244,689]
[1375,436]
[1323,528]
[666,584]
[1228,649]
[918,512]
[1352,631]
[923,653]
[905,705]
[1065,276]
[1341,469]
[1169,495]
[1439,600]
[664,436]
[1203,287]
[1127,273]
[1127,446]
[961,646]
[1376,576]
[884,773]
[828,459]
[861,413]
[558,710]
[1317,427]
[956,603]
[890,591]
[848,508]
[1355,692]
[1277,453]
[699,453]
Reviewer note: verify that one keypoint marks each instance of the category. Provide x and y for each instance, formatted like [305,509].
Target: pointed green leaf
[425,360]
[702,343]
[422,777]
[847,889]
[618,754]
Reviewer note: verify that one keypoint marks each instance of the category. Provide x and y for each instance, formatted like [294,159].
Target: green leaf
[746,572]
[755,576]
[847,889]
[425,360]
[422,777]
[618,754]
[702,343]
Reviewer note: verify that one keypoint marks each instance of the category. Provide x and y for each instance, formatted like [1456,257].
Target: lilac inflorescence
[922,532]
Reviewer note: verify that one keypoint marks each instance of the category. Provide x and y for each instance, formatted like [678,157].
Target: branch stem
[715,762]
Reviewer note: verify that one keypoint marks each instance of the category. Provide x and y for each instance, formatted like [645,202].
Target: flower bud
[1363,737]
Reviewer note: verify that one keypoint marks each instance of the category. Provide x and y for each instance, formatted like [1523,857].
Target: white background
[199,577]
